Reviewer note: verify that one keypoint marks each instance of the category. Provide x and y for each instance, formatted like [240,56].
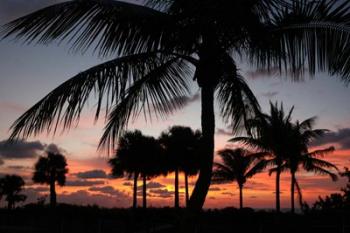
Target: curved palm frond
[109,26]
[320,153]
[109,81]
[158,92]
[303,31]
[322,171]
[237,101]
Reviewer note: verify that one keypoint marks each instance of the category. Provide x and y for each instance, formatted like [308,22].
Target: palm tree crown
[182,148]
[50,170]
[159,45]
[237,165]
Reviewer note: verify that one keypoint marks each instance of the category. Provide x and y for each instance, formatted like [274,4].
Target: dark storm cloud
[23,149]
[341,137]
[84,183]
[93,174]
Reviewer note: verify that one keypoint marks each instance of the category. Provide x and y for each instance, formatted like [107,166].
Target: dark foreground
[73,219]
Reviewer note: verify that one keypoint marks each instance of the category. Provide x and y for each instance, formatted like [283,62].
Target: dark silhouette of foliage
[300,137]
[137,156]
[11,187]
[50,170]
[270,134]
[157,46]
[336,201]
[237,165]
[182,150]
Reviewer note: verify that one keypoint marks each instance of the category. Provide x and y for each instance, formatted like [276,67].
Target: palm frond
[322,171]
[107,25]
[237,101]
[63,106]
[158,93]
[322,152]
[311,34]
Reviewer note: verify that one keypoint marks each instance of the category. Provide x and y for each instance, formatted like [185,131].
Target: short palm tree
[50,170]
[157,46]
[270,134]
[135,157]
[181,145]
[237,165]
[301,136]
[11,188]
[126,158]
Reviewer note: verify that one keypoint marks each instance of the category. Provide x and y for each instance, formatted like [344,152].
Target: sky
[29,72]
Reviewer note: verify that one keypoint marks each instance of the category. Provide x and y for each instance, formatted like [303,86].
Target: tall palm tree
[237,165]
[181,145]
[301,136]
[50,170]
[270,134]
[158,45]
[11,188]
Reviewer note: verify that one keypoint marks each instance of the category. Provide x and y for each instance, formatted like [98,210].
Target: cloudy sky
[27,73]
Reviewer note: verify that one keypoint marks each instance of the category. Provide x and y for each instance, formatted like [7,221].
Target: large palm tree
[301,136]
[159,45]
[50,170]
[11,188]
[270,134]
[237,165]
[181,145]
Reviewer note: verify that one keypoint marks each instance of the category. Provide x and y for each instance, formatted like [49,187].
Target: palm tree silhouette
[158,45]
[11,188]
[270,134]
[237,165]
[50,170]
[137,155]
[301,136]
[181,145]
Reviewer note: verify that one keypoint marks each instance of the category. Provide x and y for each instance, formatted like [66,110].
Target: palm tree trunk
[208,127]
[240,196]
[134,202]
[278,202]
[177,188]
[292,192]
[144,192]
[52,194]
[186,189]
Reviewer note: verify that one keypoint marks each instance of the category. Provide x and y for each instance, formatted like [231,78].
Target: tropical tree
[237,165]
[181,145]
[135,157]
[158,45]
[301,136]
[11,188]
[152,164]
[270,134]
[50,170]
